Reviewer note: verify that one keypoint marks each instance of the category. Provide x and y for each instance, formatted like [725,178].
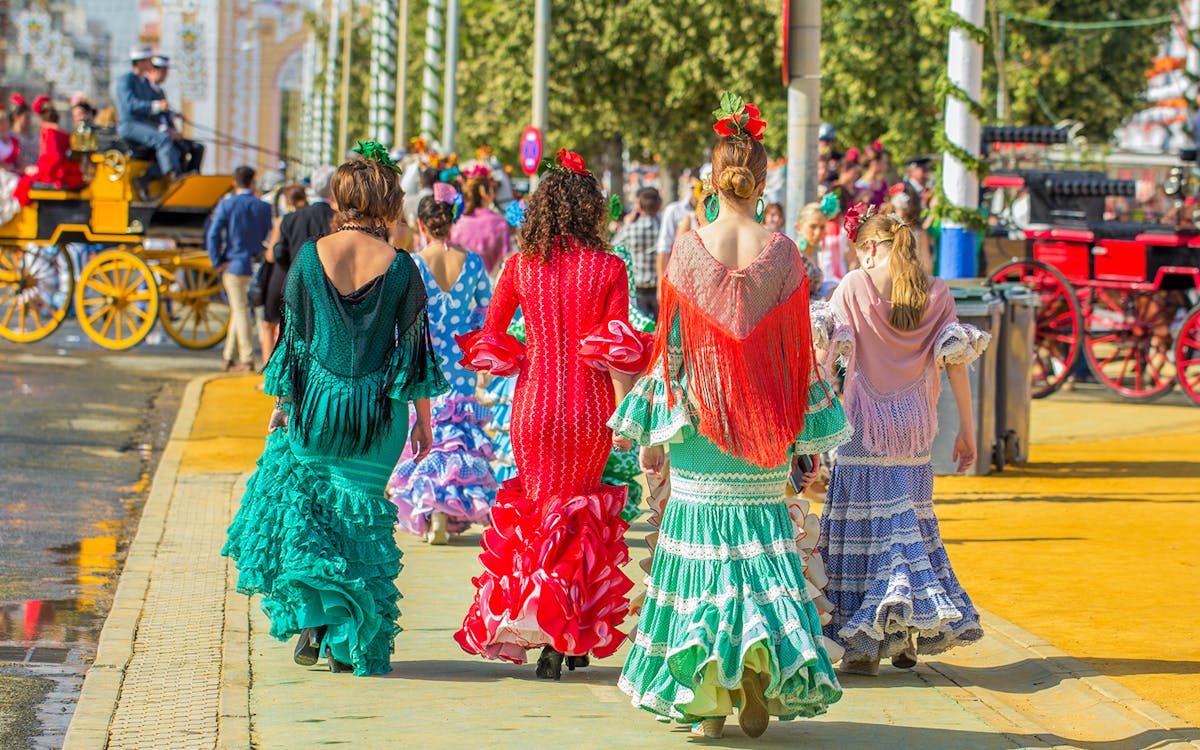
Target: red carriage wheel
[1056,343]
[1187,355]
[1128,340]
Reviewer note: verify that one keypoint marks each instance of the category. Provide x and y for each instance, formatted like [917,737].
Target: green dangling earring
[760,210]
[711,208]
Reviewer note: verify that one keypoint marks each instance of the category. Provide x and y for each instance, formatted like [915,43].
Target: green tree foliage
[647,72]
[880,64]
[1095,77]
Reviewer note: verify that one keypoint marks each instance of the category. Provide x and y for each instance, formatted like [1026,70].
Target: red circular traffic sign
[531,150]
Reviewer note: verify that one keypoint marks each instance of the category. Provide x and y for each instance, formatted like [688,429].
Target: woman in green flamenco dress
[728,621]
[314,531]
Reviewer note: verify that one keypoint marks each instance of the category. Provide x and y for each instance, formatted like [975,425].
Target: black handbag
[256,293]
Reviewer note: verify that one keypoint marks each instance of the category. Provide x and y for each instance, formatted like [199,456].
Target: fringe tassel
[900,425]
[750,394]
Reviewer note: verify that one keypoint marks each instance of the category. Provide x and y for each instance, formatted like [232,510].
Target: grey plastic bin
[1014,372]
[977,305]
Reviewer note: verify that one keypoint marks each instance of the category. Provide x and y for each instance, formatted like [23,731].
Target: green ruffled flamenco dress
[726,597]
[314,533]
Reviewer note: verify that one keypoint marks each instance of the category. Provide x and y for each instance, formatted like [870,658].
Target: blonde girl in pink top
[892,589]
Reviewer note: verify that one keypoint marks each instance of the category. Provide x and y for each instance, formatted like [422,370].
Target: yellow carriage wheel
[116,299]
[193,310]
[36,282]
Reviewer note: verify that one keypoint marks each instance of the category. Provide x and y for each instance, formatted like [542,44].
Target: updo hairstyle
[437,216]
[739,167]
[366,192]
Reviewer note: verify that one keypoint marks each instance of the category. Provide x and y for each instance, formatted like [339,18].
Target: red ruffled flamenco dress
[553,553]
[54,165]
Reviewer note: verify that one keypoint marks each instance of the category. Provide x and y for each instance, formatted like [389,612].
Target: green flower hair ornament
[830,205]
[375,152]
[616,209]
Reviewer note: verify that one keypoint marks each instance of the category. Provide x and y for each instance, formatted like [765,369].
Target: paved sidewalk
[184,662]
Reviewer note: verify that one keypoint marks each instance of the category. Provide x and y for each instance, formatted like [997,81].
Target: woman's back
[351,259]
[735,246]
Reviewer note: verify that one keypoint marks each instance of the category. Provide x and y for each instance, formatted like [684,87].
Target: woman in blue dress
[454,487]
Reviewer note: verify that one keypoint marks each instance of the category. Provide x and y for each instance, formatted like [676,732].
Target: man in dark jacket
[139,109]
[239,227]
[308,223]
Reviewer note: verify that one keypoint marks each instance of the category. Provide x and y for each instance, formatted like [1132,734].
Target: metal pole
[326,117]
[401,74]
[450,83]
[541,68]
[964,67]
[999,31]
[1193,54]
[344,136]
[433,61]
[804,104]
[383,69]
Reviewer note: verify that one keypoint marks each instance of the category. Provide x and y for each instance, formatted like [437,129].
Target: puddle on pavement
[63,622]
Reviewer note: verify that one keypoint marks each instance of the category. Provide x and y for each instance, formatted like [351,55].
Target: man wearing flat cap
[138,110]
[191,153]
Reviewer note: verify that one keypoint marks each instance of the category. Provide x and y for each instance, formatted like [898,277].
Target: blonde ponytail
[910,284]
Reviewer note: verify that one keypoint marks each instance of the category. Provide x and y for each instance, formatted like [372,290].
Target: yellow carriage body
[152,266]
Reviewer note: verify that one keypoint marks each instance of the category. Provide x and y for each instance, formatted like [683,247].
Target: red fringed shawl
[747,346]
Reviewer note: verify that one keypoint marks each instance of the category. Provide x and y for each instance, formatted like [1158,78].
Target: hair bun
[737,181]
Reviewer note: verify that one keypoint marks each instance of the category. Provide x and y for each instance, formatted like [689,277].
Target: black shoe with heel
[578,661]
[549,664]
[338,667]
[308,646]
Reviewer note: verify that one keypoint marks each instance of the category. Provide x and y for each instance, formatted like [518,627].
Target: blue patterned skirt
[890,580]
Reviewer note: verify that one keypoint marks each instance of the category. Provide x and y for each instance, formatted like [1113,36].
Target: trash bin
[1014,366]
[978,305]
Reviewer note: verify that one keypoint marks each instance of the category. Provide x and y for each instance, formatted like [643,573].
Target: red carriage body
[1123,295]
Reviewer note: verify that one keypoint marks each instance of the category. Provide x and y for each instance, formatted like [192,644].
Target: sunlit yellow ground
[230,427]
[1094,545]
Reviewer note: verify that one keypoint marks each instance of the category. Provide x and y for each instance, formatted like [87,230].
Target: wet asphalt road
[81,430]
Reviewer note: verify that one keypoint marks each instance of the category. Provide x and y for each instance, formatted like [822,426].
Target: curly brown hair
[566,206]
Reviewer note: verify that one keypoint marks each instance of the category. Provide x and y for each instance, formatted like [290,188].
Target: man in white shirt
[672,216]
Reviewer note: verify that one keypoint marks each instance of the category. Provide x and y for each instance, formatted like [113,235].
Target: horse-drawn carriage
[1122,295]
[143,262]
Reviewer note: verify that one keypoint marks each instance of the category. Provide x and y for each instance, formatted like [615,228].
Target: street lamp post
[541,67]
[804,102]
[433,61]
[450,79]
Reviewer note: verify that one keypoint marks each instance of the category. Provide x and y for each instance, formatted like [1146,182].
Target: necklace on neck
[374,231]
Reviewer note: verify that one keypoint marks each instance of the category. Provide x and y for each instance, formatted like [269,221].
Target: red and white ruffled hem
[551,576]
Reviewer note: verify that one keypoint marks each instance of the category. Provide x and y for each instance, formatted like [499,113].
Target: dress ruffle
[960,344]
[501,392]
[645,416]
[623,470]
[715,609]
[456,478]
[501,354]
[318,551]
[614,344]
[551,576]
[890,577]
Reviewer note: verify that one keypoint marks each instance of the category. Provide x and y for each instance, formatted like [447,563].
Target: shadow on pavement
[847,735]
[1103,470]
[453,670]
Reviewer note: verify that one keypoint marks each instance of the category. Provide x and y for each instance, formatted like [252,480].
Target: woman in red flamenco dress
[54,165]
[552,555]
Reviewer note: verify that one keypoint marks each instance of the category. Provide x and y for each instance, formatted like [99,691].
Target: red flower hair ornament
[737,117]
[855,216]
[568,161]
[17,100]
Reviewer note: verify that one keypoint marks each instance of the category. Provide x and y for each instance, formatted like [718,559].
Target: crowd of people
[437,365]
